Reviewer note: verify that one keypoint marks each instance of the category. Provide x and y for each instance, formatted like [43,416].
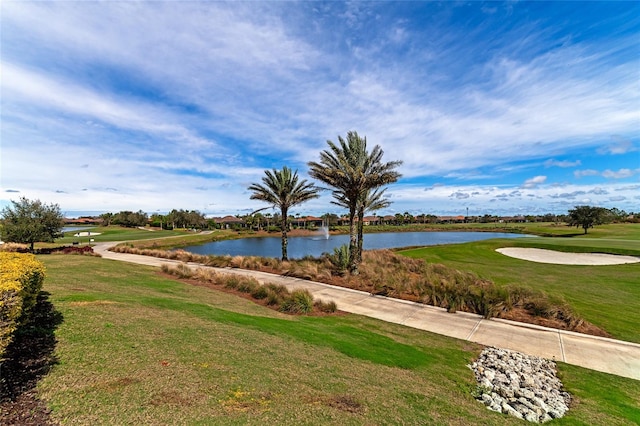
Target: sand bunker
[86,234]
[562,258]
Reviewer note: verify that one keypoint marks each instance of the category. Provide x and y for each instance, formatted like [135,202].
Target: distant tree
[282,189]
[616,215]
[130,219]
[195,219]
[106,218]
[431,218]
[330,219]
[29,222]
[586,217]
[157,220]
[408,218]
[259,220]
[399,218]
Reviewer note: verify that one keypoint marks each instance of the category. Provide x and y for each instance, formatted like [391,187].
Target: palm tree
[281,189]
[371,201]
[352,171]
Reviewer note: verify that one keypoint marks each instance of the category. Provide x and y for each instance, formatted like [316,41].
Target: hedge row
[21,278]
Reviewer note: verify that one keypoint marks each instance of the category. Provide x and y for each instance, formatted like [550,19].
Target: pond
[316,245]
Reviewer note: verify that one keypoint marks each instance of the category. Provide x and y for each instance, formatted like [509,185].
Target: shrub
[273,298]
[217,261]
[206,275]
[340,259]
[231,281]
[237,261]
[21,278]
[247,285]
[327,307]
[260,292]
[298,302]
[183,271]
[14,247]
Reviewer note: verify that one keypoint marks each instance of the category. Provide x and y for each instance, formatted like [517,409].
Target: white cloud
[563,164]
[460,195]
[620,174]
[588,172]
[534,182]
[619,146]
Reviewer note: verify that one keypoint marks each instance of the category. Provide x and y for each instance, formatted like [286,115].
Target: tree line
[186,219]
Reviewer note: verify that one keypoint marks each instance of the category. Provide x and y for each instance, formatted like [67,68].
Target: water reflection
[316,245]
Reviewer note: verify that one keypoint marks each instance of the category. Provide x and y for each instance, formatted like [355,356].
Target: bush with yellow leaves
[21,278]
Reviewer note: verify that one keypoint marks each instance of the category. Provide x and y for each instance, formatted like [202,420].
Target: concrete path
[596,353]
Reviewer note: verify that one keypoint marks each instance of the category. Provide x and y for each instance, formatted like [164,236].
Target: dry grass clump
[298,302]
[308,269]
[275,296]
[218,261]
[14,247]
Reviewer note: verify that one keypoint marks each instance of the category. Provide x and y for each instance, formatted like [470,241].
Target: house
[370,220]
[512,219]
[451,219]
[307,222]
[228,222]
[82,221]
[388,219]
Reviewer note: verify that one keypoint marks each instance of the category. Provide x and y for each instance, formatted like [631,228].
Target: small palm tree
[371,201]
[353,171]
[282,189]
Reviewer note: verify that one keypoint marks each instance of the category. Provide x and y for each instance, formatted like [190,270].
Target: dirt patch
[171,398]
[345,403]
[93,303]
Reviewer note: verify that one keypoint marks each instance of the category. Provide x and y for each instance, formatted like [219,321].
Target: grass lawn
[138,348]
[146,237]
[607,296]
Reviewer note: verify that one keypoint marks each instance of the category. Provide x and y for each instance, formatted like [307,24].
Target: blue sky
[502,108]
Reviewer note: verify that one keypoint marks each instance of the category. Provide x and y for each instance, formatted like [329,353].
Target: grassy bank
[148,237]
[137,348]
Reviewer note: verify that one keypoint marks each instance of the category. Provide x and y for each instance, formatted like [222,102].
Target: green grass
[545,229]
[138,348]
[607,296]
[145,237]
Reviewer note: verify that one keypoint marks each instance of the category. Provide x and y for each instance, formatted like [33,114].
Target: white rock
[522,386]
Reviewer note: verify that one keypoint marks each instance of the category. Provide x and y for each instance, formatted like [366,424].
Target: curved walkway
[596,353]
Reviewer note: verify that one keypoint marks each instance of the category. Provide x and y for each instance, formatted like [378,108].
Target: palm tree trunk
[284,234]
[360,233]
[353,243]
